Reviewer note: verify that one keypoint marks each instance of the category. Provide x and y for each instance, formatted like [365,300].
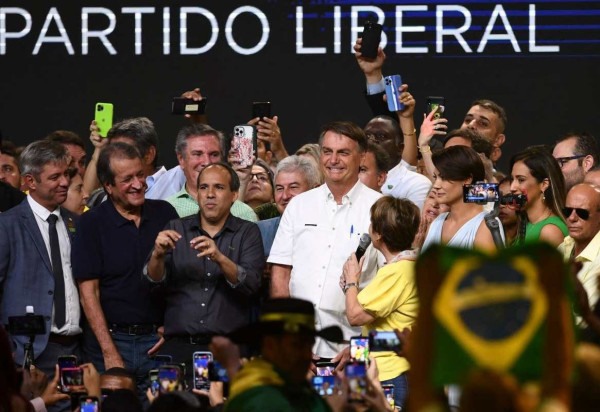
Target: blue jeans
[400,389]
[134,351]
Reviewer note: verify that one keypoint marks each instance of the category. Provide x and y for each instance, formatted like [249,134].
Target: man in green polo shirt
[197,146]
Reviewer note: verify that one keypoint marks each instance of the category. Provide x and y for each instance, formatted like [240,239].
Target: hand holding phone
[359,349]
[200,363]
[89,404]
[384,341]
[244,142]
[182,105]
[170,378]
[356,373]
[104,118]
[392,92]
[481,193]
[371,37]
[437,104]
[261,109]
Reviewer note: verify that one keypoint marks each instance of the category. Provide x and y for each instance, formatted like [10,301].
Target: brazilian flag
[489,311]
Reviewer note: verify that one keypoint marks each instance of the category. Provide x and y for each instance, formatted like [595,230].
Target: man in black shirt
[211,265]
[111,245]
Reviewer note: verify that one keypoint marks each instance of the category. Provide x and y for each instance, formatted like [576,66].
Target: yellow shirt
[391,298]
[590,269]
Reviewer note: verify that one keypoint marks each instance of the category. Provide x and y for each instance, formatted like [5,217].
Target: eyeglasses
[582,213]
[261,177]
[562,160]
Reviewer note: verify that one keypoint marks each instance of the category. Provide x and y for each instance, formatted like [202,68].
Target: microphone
[363,244]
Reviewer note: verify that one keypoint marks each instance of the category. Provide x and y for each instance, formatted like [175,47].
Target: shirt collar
[350,197]
[183,193]
[150,180]
[118,218]
[231,225]
[591,251]
[40,210]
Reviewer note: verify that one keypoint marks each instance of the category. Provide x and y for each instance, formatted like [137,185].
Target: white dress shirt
[72,309]
[315,237]
[403,183]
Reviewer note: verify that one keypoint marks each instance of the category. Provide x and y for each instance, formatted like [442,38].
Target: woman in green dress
[536,174]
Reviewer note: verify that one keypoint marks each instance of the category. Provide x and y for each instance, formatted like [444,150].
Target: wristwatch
[349,285]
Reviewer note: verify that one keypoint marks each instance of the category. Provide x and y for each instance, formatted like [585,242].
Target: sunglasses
[582,213]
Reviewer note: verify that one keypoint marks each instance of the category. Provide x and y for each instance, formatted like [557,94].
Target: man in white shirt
[320,228]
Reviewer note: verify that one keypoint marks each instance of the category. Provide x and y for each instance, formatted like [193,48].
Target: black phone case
[371,36]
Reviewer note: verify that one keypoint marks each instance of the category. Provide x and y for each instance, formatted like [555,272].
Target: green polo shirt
[186,205]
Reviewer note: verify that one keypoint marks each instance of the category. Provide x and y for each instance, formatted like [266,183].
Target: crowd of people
[128,261]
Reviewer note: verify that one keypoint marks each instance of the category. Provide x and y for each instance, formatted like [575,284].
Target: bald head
[583,213]
[593,177]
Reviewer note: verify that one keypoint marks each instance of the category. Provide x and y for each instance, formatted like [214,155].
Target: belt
[133,330]
[65,340]
[193,339]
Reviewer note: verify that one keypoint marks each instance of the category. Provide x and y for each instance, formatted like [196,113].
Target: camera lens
[100,107]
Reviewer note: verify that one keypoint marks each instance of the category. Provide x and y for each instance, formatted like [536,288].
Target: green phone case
[104,117]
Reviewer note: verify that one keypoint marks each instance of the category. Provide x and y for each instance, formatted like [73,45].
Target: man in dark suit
[35,264]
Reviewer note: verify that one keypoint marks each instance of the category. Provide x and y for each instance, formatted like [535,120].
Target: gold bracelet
[425,149]
[414,132]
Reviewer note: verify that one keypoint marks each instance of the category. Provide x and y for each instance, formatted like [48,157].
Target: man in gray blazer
[35,262]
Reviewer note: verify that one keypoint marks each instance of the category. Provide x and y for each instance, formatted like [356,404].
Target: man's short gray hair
[302,165]
[198,130]
[40,153]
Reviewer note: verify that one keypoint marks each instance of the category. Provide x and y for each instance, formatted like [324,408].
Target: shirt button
[203,304]
[206,289]
[208,274]
[50,292]
[201,321]
[329,246]
[323,267]
[332,228]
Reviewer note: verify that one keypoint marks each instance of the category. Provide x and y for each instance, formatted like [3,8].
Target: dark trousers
[134,351]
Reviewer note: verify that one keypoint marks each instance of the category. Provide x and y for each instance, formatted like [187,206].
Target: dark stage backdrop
[538,59]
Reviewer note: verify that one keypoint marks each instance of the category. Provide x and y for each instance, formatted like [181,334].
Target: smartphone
[244,141]
[359,349]
[67,361]
[388,391]
[201,361]
[324,385]
[154,383]
[392,83]
[325,368]
[357,381]
[182,105]
[216,372]
[169,378]
[436,103]
[104,117]
[261,109]
[89,404]
[380,340]
[371,37]
[162,359]
[481,193]
[71,379]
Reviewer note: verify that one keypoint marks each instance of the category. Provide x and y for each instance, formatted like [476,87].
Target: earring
[543,196]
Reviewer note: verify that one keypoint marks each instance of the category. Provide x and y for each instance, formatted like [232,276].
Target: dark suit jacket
[26,276]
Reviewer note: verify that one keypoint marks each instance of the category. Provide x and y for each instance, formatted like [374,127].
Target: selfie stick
[494,226]
[28,355]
